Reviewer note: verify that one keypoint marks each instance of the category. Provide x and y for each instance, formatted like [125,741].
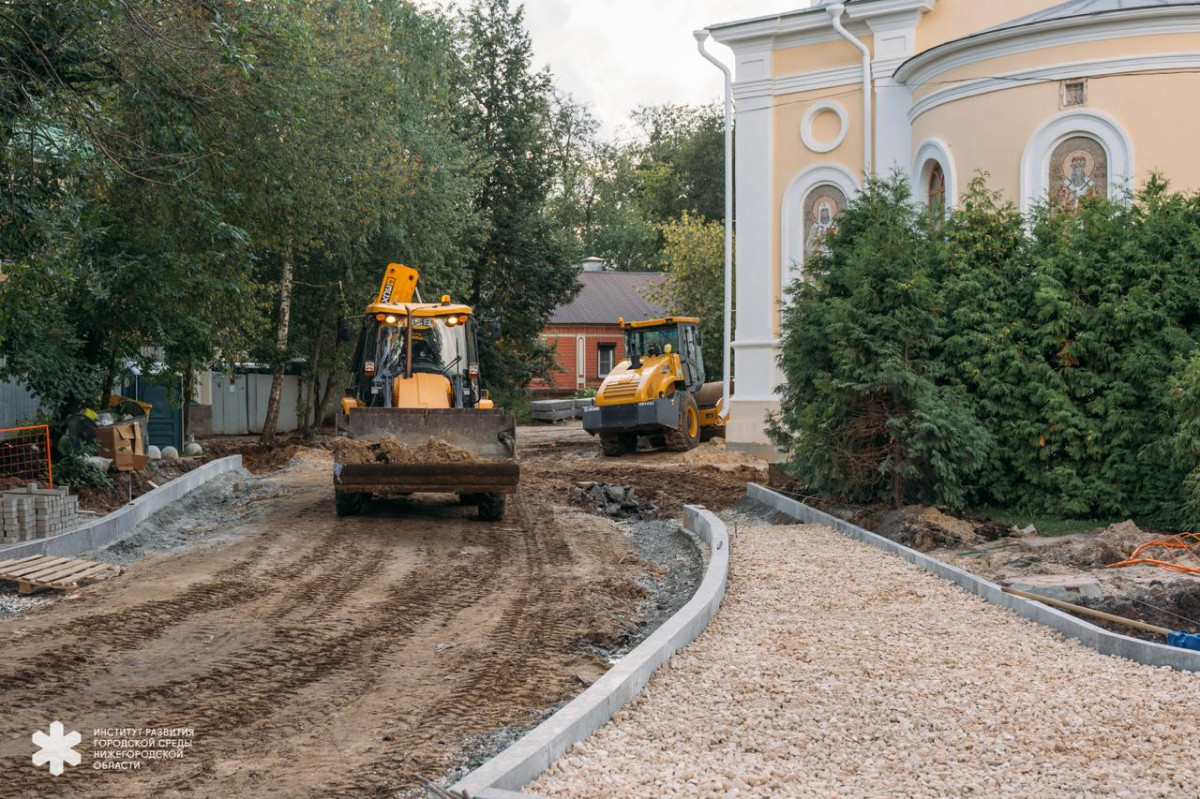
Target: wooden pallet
[38,571]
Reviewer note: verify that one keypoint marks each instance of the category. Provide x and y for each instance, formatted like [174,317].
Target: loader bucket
[489,434]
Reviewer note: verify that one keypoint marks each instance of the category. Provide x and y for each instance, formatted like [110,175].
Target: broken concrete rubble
[617,501]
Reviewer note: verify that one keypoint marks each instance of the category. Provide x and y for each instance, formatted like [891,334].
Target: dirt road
[313,655]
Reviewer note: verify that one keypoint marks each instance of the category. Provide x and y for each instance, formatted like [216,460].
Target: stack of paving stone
[30,513]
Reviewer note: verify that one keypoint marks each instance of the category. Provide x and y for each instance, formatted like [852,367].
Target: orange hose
[1189,543]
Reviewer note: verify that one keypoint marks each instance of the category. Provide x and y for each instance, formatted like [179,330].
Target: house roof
[1088,8]
[607,296]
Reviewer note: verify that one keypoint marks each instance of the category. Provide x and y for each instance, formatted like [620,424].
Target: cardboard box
[124,443]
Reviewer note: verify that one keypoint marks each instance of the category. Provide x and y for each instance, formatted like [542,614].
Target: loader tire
[348,504]
[687,434]
[614,445]
[491,507]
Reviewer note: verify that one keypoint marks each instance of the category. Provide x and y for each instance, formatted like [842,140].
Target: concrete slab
[1063,587]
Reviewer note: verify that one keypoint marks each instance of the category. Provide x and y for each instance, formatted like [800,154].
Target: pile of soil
[13,482]
[924,527]
[391,450]
[1113,544]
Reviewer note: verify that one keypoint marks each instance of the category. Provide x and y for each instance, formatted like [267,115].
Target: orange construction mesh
[1179,553]
[25,455]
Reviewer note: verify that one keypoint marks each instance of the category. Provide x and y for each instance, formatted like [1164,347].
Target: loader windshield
[438,347]
[653,340]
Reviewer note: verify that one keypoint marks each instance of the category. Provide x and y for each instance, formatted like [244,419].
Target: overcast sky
[615,55]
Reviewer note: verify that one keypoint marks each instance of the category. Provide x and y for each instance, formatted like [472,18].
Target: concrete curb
[1103,641]
[526,759]
[116,525]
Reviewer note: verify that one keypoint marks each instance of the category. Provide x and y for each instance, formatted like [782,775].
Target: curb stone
[1147,653]
[521,763]
[101,532]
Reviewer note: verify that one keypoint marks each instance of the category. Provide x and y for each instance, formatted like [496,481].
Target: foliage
[1051,360]
[185,186]
[101,127]
[522,266]
[674,165]
[865,410]
[74,470]
[694,261]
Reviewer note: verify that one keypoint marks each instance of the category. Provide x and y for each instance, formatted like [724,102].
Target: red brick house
[587,341]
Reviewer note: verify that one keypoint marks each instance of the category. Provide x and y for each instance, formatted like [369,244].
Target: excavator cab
[419,357]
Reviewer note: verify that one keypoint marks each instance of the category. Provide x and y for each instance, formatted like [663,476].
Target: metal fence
[18,405]
[25,454]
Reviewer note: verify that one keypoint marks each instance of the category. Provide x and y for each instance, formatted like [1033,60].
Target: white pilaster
[754,340]
[895,42]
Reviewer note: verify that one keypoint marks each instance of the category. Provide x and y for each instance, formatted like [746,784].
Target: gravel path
[836,670]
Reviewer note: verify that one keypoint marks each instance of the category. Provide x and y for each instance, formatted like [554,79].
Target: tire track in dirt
[513,675]
[248,687]
[315,619]
[132,628]
[253,686]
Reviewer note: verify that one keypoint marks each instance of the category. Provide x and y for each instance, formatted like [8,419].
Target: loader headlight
[391,320]
[451,321]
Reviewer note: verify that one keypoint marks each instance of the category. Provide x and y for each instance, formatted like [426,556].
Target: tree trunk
[189,388]
[313,356]
[897,480]
[327,397]
[281,342]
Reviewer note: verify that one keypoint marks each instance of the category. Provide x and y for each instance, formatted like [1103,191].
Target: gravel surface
[834,669]
[13,603]
[209,516]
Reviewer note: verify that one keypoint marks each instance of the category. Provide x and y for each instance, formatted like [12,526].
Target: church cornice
[1002,42]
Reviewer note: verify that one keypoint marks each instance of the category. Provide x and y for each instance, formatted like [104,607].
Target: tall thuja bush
[1181,448]
[987,291]
[1116,308]
[866,412]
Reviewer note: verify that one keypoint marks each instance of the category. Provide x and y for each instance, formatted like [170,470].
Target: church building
[1048,98]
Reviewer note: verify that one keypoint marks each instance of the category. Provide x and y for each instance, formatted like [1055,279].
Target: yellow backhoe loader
[416,379]
[658,392]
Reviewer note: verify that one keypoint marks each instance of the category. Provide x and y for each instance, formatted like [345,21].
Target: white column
[893,131]
[754,343]
[895,42]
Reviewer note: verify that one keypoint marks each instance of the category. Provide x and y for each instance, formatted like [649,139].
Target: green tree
[113,245]
[694,262]
[616,226]
[865,410]
[682,160]
[521,266]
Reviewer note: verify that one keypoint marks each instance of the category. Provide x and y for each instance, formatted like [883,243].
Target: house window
[607,359]
[1074,93]
[937,193]
[1078,171]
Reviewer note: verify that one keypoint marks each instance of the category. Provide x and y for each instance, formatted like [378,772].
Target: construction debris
[30,513]
[618,501]
[39,571]
[924,528]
